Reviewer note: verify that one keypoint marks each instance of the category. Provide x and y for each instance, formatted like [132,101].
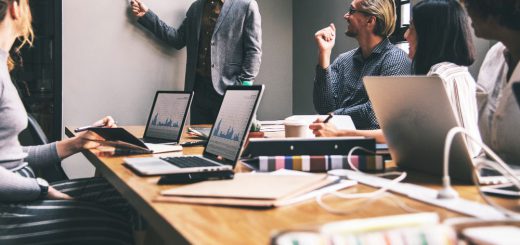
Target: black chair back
[34,135]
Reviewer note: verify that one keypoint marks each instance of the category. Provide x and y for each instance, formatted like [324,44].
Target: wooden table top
[199,224]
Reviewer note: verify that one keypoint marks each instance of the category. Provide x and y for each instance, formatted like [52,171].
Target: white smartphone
[507,190]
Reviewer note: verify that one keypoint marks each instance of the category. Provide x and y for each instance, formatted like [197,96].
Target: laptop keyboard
[189,162]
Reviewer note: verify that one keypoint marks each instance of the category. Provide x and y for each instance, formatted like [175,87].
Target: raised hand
[326,38]
[139,9]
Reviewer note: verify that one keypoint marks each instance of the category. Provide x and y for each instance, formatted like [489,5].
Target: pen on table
[328,118]
[85,128]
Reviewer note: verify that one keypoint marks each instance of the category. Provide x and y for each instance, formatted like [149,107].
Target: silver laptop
[415,114]
[224,143]
[167,117]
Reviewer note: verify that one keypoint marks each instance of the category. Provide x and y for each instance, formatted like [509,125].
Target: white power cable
[478,167]
[371,196]
[500,166]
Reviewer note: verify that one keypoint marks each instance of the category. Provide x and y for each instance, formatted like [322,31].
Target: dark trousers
[206,102]
[97,215]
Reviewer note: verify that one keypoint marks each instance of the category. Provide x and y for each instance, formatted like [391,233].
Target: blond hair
[27,33]
[384,11]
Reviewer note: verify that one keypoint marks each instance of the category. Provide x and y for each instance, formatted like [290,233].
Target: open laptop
[415,114]
[167,117]
[225,141]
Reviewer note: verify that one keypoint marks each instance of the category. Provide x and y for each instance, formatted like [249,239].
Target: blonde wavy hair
[384,11]
[26,32]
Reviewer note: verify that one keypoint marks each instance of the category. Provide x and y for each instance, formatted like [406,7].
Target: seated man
[338,87]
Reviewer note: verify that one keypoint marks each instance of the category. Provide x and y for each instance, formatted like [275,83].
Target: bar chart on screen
[167,116]
[231,123]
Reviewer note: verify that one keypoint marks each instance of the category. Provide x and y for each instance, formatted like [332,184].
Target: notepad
[250,189]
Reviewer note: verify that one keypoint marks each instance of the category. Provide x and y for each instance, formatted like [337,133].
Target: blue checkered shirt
[339,88]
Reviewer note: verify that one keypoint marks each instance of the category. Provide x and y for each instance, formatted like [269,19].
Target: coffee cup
[296,129]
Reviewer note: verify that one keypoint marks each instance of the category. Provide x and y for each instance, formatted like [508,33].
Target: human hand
[84,140]
[106,122]
[320,129]
[89,140]
[57,195]
[326,38]
[139,9]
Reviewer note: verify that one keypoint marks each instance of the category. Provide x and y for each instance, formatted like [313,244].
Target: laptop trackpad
[149,163]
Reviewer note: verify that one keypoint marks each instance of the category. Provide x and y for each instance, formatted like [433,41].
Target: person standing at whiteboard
[223,40]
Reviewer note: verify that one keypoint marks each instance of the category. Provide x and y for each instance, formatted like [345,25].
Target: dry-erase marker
[328,118]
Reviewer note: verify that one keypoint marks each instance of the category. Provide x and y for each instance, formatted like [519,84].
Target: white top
[461,89]
[499,112]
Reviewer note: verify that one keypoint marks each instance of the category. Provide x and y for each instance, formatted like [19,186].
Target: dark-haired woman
[498,109]
[85,211]
[440,45]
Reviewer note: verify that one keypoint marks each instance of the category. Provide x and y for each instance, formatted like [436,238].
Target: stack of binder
[312,154]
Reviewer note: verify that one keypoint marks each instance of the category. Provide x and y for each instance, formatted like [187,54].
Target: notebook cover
[328,184]
[259,186]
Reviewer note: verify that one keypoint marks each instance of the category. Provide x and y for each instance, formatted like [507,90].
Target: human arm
[321,129]
[82,141]
[161,30]
[329,92]
[16,188]
[325,39]
[326,81]
[252,44]
[43,155]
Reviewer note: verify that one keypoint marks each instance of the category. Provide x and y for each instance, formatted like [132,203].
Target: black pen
[328,118]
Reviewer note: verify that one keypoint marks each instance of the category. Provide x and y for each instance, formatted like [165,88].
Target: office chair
[34,135]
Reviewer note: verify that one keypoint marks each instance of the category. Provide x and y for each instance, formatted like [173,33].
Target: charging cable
[498,165]
[370,196]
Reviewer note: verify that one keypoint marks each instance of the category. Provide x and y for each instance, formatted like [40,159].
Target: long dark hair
[443,35]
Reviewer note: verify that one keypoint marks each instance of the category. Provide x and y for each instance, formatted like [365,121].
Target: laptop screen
[167,115]
[233,123]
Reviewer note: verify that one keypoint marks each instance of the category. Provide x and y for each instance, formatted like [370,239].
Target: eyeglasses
[352,11]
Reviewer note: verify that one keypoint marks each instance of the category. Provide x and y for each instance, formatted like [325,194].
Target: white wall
[111,66]
[277,59]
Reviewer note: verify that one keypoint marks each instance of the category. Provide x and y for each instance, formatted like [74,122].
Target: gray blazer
[235,46]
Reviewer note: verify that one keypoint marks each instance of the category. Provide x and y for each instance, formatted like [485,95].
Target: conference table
[203,224]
